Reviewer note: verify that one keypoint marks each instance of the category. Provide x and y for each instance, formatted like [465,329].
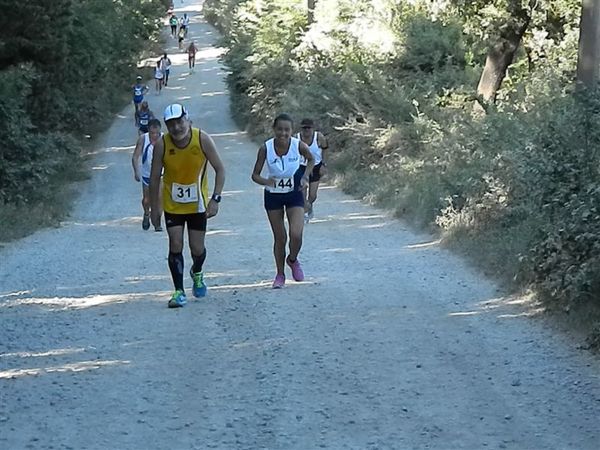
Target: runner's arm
[324,144]
[157,167]
[135,159]
[310,162]
[210,151]
[258,166]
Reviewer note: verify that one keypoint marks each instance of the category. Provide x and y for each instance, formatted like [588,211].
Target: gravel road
[391,342]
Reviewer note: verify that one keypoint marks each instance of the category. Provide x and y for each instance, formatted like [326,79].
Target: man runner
[317,144]
[184,152]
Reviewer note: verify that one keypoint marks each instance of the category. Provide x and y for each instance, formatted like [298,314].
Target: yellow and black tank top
[185,181]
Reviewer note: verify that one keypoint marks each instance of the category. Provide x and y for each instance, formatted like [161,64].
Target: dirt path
[391,343]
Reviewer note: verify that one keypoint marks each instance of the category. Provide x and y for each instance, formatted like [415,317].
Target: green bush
[518,185]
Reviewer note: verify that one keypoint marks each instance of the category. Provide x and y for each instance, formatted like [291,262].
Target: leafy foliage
[64,65]
[393,82]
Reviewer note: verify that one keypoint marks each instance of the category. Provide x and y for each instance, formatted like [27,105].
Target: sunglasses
[306,128]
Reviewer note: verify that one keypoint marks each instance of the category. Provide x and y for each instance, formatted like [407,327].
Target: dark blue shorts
[282,201]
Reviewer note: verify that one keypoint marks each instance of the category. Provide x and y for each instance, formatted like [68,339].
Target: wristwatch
[216,198]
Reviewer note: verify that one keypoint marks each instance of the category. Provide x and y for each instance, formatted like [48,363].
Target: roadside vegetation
[461,116]
[65,65]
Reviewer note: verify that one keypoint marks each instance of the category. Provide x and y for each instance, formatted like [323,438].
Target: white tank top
[147,151]
[314,149]
[283,167]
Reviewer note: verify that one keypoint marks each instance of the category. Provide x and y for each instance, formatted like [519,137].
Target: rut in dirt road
[390,343]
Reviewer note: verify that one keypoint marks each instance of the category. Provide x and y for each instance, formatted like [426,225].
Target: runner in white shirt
[142,165]
[317,143]
[158,77]
[283,194]
[185,23]
[165,65]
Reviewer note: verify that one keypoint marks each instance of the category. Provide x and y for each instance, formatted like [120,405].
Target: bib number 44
[283,185]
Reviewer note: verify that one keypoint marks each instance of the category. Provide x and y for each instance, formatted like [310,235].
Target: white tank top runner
[314,149]
[147,151]
[283,167]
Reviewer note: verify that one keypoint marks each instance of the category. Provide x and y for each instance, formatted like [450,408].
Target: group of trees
[395,84]
[63,65]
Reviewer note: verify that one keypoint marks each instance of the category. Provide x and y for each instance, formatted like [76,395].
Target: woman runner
[284,186]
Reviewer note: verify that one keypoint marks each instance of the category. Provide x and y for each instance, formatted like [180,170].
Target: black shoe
[146,222]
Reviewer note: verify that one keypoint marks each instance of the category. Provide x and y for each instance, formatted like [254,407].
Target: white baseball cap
[174,111]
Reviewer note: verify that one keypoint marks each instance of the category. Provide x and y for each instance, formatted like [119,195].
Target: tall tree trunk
[588,64]
[311,11]
[500,56]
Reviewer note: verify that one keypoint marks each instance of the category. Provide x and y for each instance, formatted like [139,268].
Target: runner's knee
[175,245]
[280,239]
[296,235]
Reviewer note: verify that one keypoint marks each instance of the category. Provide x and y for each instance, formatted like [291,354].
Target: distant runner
[165,64]
[144,115]
[158,76]
[180,37]
[191,51]
[139,90]
[185,23]
[173,21]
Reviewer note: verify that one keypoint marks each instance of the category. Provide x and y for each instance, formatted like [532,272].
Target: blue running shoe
[199,289]
[178,299]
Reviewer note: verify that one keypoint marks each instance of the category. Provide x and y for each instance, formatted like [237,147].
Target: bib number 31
[184,193]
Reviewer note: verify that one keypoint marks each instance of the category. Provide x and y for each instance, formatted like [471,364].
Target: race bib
[184,193]
[283,185]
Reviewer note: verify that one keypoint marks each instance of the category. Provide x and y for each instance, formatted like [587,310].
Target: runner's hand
[304,182]
[212,209]
[155,218]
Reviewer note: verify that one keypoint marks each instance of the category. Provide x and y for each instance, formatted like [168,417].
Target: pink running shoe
[297,272]
[279,281]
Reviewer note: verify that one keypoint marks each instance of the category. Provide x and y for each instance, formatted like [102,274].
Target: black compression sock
[198,262]
[176,268]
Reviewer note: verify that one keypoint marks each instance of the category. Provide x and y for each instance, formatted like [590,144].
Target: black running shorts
[195,221]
